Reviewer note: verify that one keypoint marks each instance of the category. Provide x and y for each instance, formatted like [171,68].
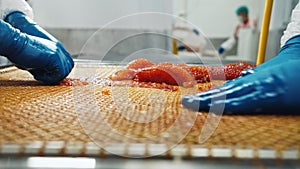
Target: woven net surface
[31,111]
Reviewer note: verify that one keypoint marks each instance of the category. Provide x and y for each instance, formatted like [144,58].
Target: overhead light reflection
[61,162]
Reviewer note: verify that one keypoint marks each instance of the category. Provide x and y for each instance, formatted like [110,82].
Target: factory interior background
[74,21]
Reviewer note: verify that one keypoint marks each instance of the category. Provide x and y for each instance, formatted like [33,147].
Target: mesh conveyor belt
[39,119]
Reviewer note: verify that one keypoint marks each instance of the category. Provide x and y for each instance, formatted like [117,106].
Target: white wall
[281,13]
[93,13]
[216,18]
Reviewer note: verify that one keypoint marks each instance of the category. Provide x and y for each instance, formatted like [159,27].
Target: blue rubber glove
[58,67]
[271,88]
[44,59]
[221,50]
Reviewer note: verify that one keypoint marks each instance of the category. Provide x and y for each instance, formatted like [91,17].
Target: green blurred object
[242,9]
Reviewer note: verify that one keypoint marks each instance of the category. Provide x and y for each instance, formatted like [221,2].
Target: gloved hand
[272,87]
[221,50]
[8,6]
[44,59]
[26,25]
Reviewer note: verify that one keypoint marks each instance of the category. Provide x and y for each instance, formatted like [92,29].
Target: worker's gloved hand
[8,6]
[44,59]
[221,50]
[26,25]
[272,87]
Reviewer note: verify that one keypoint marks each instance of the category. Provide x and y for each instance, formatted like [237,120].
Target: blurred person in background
[242,14]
